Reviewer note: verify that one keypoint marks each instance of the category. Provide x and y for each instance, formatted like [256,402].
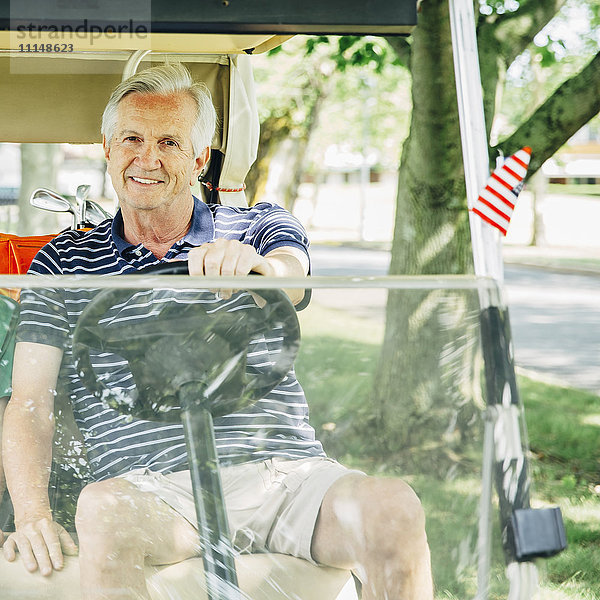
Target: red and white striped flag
[496,202]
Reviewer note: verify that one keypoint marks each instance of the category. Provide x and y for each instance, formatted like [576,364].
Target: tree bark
[538,192]
[290,192]
[414,398]
[278,128]
[273,131]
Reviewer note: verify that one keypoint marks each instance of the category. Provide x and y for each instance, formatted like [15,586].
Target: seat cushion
[261,577]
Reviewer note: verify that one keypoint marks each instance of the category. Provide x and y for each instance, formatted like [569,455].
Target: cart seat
[261,577]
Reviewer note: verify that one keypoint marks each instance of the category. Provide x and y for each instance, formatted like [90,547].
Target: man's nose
[147,157]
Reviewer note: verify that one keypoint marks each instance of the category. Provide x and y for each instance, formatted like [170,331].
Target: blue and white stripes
[276,425]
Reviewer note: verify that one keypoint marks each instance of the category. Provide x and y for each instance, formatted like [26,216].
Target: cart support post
[486,242]
[487,259]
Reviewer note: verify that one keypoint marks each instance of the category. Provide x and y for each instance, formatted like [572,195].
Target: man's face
[150,158]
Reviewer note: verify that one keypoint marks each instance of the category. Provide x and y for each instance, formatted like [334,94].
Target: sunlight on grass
[323,320]
[585,512]
[591,420]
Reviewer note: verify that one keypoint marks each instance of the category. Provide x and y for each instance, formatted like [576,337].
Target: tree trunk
[422,393]
[537,185]
[278,129]
[38,169]
[414,398]
[273,131]
[290,192]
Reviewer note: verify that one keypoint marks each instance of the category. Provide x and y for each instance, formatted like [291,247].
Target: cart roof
[59,61]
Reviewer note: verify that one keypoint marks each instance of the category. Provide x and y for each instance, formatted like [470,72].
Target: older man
[286,496]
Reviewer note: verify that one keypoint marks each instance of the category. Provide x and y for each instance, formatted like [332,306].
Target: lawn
[564,437]
[336,369]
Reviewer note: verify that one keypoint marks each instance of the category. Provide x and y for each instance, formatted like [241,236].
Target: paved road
[556,324]
[555,316]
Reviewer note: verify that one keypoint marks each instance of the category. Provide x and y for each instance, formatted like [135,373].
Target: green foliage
[550,52]
[557,52]
[313,42]
[354,51]
[361,90]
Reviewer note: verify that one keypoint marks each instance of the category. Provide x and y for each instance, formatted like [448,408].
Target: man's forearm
[29,429]
[27,454]
[289,262]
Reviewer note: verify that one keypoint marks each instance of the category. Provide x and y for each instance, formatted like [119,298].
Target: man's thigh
[131,511]
[271,505]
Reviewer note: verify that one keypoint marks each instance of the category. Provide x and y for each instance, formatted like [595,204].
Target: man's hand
[227,258]
[230,257]
[41,543]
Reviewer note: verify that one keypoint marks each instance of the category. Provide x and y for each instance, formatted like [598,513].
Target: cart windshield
[158,350]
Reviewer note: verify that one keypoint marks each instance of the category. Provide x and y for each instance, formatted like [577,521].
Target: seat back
[81,83]
[16,252]
[9,312]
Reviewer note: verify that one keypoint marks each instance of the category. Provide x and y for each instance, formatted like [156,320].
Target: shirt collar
[201,231]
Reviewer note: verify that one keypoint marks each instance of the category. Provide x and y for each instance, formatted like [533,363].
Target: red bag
[16,254]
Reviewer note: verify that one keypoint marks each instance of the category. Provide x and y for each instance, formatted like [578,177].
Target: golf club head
[48,200]
[83,191]
[94,214]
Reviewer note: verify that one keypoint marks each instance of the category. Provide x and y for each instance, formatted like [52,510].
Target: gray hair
[164,80]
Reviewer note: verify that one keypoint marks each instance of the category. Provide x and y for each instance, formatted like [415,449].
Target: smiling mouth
[146,181]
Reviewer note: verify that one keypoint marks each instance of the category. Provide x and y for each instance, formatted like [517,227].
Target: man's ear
[199,164]
[106,147]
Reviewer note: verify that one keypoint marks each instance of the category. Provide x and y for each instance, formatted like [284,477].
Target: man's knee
[395,516]
[374,516]
[105,508]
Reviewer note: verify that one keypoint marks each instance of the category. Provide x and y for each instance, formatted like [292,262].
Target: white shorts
[272,506]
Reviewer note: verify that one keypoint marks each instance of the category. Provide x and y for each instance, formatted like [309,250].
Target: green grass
[564,434]
[336,367]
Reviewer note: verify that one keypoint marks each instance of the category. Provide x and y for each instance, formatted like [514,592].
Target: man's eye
[131,138]
[170,143]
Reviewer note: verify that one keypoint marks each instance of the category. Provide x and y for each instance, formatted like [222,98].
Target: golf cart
[228,38]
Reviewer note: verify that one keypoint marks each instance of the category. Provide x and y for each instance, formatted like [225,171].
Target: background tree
[431,230]
[292,93]
[313,93]
[417,388]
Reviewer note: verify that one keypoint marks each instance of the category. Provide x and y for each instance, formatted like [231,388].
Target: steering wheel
[187,351]
[185,339]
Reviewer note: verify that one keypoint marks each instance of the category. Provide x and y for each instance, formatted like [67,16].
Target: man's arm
[230,257]
[27,453]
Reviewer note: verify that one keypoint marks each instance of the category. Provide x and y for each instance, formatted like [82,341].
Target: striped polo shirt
[276,425]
